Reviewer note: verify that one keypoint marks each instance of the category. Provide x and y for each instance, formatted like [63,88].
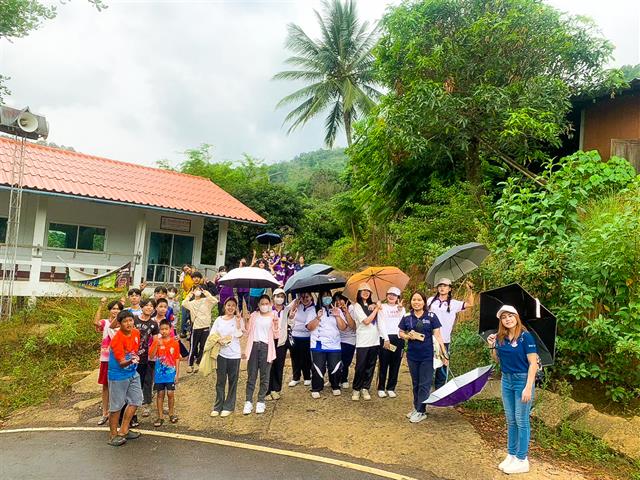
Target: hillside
[301,168]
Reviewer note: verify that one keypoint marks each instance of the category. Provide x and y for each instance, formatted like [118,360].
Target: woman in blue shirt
[515,349]
[417,328]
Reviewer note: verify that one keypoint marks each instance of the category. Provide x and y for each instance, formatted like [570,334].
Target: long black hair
[437,297]
[364,304]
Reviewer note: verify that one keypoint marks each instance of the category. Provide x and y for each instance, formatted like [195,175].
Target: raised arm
[98,316]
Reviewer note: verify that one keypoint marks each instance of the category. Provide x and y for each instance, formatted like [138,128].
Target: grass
[41,348]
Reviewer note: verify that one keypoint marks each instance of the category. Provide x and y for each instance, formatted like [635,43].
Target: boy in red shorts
[166,352]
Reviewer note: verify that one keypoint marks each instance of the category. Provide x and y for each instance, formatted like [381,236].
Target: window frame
[3,241]
[76,249]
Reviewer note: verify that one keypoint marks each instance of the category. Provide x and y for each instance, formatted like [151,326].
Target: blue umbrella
[306,272]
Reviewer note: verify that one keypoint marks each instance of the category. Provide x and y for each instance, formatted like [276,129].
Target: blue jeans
[517,413]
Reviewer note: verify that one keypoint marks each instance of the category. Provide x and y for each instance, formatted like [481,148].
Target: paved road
[85,455]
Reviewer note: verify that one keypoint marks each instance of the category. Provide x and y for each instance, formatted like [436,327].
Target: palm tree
[338,68]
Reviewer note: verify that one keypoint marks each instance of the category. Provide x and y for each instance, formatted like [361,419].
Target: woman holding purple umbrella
[515,349]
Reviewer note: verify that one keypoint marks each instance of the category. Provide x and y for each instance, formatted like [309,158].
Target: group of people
[323,334]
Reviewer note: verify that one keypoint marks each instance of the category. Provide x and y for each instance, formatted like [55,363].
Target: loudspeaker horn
[27,122]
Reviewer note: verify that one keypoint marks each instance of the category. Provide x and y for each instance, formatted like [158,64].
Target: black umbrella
[306,272]
[269,238]
[457,262]
[540,322]
[318,283]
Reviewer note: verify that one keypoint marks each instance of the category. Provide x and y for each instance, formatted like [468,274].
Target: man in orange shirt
[124,381]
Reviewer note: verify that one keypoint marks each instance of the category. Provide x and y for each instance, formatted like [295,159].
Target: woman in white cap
[515,349]
[391,345]
[365,312]
[446,309]
[325,331]
[282,345]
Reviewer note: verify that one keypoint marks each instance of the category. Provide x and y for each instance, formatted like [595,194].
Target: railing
[162,274]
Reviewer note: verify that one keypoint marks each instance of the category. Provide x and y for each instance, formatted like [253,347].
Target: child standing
[135,294]
[166,353]
[148,329]
[108,327]
[199,303]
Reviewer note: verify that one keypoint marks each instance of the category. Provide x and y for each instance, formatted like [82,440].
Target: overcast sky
[145,80]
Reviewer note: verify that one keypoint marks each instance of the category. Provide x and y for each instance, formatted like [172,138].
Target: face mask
[278,300]
[265,308]
[197,293]
[171,295]
[326,301]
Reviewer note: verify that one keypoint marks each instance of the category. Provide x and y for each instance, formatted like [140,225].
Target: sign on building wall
[175,224]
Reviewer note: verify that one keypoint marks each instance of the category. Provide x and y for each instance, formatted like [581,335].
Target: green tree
[472,81]
[630,72]
[338,68]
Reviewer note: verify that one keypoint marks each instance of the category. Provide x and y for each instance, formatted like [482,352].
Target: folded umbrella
[460,388]
[249,277]
[380,279]
[318,283]
[457,262]
[538,320]
[269,238]
[306,272]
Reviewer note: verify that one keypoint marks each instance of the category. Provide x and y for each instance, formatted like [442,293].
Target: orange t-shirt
[120,349]
[167,356]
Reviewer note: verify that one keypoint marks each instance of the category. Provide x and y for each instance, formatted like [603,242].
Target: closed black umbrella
[318,283]
[540,322]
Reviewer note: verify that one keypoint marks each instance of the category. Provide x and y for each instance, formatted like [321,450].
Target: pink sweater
[273,334]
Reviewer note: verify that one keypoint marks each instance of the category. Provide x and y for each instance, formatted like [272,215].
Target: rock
[491,390]
[6,378]
[87,403]
[553,409]
[88,384]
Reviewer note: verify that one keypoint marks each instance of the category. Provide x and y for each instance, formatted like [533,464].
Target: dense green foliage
[338,70]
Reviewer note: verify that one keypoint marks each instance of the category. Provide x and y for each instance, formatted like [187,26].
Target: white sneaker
[345,385]
[275,395]
[315,394]
[214,413]
[248,408]
[337,393]
[411,413]
[293,383]
[382,393]
[365,394]
[418,417]
[261,407]
[355,395]
[392,394]
[225,413]
[307,383]
[507,460]
[517,466]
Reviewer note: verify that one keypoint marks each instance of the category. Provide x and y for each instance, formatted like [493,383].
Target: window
[76,237]
[3,230]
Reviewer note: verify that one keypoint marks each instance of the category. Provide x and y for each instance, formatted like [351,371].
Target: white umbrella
[249,277]
[461,388]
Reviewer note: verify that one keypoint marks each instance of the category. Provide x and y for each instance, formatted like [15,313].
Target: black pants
[145,370]
[228,370]
[346,353]
[390,363]
[301,358]
[277,367]
[421,377]
[323,361]
[366,358]
[441,373]
[198,339]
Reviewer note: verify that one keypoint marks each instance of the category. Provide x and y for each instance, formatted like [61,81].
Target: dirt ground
[445,444]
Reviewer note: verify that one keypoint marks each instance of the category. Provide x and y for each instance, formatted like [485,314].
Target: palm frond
[333,121]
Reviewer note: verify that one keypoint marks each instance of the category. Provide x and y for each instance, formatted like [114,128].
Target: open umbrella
[306,272]
[249,277]
[540,322]
[457,262]
[269,238]
[318,283]
[461,388]
[379,279]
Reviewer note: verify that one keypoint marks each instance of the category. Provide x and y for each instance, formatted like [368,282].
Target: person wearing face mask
[282,345]
[419,328]
[325,331]
[199,303]
[262,331]
[301,312]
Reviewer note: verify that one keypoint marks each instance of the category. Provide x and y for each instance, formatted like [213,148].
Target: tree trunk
[347,126]
[472,163]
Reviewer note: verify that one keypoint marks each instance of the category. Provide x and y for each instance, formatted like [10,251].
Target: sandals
[158,422]
[117,441]
[131,435]
[173,419]
[103,420]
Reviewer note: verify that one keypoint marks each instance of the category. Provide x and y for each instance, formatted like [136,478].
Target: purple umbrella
[460,388]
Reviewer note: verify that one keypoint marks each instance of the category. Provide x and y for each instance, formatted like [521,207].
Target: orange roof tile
[51,169]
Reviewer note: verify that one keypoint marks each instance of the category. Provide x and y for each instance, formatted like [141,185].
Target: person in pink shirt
[108,327]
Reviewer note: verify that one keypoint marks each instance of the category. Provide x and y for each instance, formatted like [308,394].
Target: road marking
[228,443]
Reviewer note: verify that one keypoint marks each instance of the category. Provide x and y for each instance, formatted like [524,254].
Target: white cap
[443,281]
[279,291]
[395,291]
[365,286]
[506,308]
